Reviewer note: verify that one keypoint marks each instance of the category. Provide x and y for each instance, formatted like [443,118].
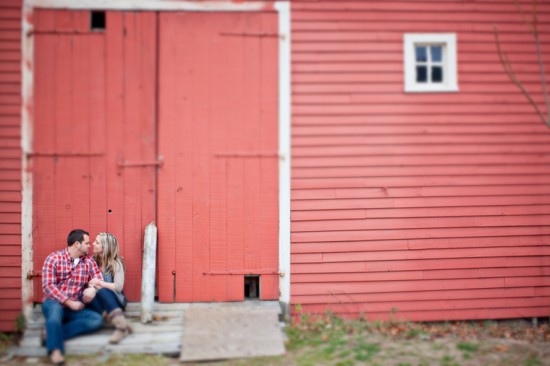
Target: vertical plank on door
[221,117]
[182,97]
[139,145]
[167,191]
[147,126]
[44,130]
[63,132]
[131,149]
[115,138]
[148,118]
[252,94]
[98,134]
[79,126]
[230,92]
[269,168]
[200,161]
[235,215]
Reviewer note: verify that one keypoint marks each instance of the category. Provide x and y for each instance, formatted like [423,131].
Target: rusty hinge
[268,271]
[60,32]
[32,274]
[69,154]
[56,32]
[252,34]
[132,164]
[238,154]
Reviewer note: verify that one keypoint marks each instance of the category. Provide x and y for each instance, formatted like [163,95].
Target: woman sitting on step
[110,298]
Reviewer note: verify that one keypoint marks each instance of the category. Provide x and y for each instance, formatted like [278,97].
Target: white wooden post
[148,273]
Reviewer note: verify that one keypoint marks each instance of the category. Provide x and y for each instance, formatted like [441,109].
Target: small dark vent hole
[251,287]
[97,20]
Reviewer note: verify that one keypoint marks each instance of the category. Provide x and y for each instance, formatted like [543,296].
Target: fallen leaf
[501,348]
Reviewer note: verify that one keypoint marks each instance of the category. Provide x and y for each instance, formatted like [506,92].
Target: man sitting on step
[65,277]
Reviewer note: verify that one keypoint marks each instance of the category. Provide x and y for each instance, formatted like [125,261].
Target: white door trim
[284,152]
[27,40]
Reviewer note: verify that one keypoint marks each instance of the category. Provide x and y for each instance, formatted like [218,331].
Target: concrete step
[161,336]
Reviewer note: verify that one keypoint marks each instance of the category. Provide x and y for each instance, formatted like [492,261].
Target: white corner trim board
[27,59]
[284,152]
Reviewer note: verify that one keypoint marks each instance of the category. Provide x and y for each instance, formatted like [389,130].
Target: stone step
[161,336]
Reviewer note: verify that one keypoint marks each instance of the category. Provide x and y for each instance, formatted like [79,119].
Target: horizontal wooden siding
[10,163]
[430,206]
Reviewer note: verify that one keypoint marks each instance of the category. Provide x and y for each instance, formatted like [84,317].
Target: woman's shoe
[122,328]
[118,335]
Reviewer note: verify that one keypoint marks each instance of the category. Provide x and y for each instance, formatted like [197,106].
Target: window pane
[437,74]
[437,52]
[421,74]
[421,54]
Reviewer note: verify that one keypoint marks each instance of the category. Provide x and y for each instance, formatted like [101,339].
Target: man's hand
[74,305]
[88,294]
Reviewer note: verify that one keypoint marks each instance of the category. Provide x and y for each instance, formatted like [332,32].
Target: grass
[329,340]
[468,349]
[532,361]
[120,360]
[6,340]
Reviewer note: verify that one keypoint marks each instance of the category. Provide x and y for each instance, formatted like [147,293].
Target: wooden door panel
[136,133]
[218,187]
[94,108]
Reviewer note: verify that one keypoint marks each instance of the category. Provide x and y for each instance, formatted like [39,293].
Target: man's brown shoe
[57,357]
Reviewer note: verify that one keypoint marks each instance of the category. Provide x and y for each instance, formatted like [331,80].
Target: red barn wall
[428,206]
[10,163]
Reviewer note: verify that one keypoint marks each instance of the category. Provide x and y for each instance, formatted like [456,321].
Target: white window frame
[450,79]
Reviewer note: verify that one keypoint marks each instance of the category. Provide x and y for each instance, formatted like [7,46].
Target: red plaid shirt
[62,280]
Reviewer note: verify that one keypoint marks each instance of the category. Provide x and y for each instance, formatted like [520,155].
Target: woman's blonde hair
[109,260]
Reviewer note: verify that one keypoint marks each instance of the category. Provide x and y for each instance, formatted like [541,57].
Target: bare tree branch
[533,27]
[510,72]
[535,19]
[536,35]
[524,16]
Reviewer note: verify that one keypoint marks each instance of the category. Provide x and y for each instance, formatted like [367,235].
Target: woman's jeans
[105,300]
[63,323]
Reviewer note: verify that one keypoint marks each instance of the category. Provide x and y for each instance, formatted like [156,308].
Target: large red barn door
[218,187]
[94,132]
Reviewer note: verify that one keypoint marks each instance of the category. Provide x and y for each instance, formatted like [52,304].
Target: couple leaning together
[80,290]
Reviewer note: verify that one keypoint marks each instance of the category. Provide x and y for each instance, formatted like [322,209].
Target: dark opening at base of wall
[251,287]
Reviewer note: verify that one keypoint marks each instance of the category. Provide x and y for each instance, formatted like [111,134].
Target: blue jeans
[63,323]
[105,299]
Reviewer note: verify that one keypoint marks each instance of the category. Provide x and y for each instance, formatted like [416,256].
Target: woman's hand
[95,282]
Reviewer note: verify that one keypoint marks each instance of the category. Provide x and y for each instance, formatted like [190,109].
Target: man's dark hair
[76,235]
